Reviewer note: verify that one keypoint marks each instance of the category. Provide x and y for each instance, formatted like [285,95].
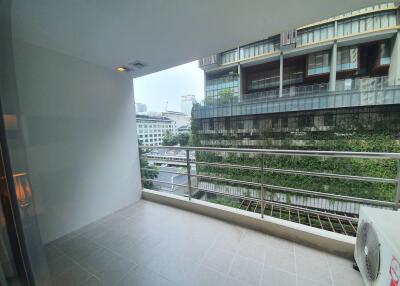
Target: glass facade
[318,63]
[315,34]
[260,48]
[229,57]
[264,80]
[347,58]
[216,85]
[366,23]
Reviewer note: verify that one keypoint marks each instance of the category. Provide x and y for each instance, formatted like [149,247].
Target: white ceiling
[161,33]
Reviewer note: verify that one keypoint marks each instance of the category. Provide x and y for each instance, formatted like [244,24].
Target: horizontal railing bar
[335,154]
[233,166]
[254,184]
[164,171]
[165,157]
[334,176]
[333,196]
[163,182]
[306,210]
[300,191]
[168,159]
[305,173]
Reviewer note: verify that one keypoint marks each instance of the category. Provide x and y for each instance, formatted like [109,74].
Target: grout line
[81,266]
[233,259]
[126,274]
[263,267]
[295,265]
[329,268]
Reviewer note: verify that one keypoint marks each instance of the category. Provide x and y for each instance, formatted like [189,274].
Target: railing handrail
[318,153]
[255,189]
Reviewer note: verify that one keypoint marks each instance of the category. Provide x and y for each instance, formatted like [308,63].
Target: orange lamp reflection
[22,189]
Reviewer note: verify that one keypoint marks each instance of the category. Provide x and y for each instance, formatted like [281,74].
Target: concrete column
[394,68]
[332,75]
[280,75]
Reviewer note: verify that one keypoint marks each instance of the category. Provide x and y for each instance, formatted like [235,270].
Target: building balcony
[374,92]
[149,243]
[180,238]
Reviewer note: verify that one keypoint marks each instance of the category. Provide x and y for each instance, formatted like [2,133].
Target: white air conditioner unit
[377,251]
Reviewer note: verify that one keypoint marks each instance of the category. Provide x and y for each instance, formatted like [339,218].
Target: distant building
[151,129]
[187,102]
[141,107]
[180,118]
[184,129]
[306,87]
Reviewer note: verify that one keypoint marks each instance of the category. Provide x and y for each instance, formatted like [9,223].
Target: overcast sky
[156,89]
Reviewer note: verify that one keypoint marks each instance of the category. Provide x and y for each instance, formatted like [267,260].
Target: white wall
[80,132]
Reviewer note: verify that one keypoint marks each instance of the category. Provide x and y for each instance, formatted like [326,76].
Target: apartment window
[259,48]
[263,80]
[328,119]
[284,122]
[347,58]
[366,23]
[384,53]
[229,56]
[211,124]
[305,121]
[214,86]
[275,123]
[318,63]
[315,34]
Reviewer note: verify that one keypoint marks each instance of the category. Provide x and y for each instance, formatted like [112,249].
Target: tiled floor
[154,244]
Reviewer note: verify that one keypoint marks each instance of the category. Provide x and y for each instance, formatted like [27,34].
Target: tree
[147,171]
[183,139]
[225,95]
[169,139]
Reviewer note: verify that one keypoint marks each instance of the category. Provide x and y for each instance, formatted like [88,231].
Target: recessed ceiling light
[122,69]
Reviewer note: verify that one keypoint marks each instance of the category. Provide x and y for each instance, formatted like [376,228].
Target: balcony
[363,92]
[153,244]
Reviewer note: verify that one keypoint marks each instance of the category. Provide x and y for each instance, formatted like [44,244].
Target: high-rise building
[310,87]
[152,129]
[187,102]
[141,107]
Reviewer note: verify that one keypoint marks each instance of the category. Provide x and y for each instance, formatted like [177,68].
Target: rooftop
[150,117]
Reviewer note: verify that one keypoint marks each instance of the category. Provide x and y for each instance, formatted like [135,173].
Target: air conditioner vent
[368,247]
[137,64]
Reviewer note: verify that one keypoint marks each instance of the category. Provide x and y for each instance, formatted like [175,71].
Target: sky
[168,85]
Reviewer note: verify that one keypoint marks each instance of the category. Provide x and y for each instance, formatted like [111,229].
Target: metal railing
[332,211]
[310,100]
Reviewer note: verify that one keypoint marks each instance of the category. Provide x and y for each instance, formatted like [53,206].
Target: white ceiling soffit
[161,33]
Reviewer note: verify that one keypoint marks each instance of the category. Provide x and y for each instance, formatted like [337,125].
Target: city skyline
[156,89]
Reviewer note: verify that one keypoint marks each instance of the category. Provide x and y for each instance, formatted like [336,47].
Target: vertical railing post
[189,184]
[262,186]
[397,191]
